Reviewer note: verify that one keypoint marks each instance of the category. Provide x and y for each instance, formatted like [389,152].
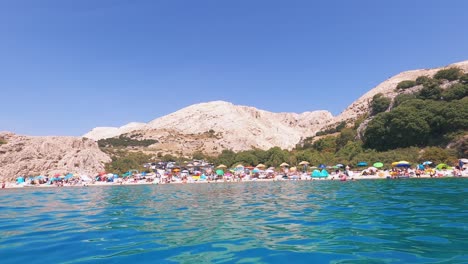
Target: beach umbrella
[221,166]
[256,170]
[293,169]
[442,166]
[427,163]
[378,165]
[316,174]
[269,171]
[219,172]
[240,166]
[191,165]
[324,173]
[339,165]
[464,160]
[313,167]
[284,164]
[401,164]
[261,166]
[421,166]
[322,166]
[362,164]
[304,162]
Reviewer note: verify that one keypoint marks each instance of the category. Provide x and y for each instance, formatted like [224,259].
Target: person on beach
[3,185]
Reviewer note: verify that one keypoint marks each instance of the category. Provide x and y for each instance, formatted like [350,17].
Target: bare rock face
[225,126]
[25,155]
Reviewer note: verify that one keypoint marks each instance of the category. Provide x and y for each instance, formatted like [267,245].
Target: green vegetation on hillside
[405,84]
[332,130]
[123,141]
[2,141]
[430,117]
[125,161]
[379,104]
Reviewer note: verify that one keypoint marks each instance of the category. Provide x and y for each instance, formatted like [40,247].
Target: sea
[365,221]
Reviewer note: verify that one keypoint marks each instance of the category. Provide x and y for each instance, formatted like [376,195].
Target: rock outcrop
[26,155]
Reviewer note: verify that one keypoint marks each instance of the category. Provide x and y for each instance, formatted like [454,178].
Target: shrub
[422,80]
[455,92]
[431,91]
[450,74]
[405,84]
[464,78]
[379,104]
[123,141]
[399,99]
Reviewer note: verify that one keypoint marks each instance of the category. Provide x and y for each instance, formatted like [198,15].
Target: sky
[67,66]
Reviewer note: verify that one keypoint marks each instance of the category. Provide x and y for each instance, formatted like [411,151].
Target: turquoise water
[373,221]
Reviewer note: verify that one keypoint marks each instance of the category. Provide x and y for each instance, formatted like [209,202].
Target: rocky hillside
[211,127]
[387,88]
[25,155]
[214,126]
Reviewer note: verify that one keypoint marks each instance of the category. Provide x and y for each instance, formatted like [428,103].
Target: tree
[437,155]
[346,135]
[246,158]
[379,103]
[326,144]
[198,155]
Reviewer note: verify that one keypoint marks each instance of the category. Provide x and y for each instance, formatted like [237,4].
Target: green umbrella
[219,172]
[442,166]
[378,164]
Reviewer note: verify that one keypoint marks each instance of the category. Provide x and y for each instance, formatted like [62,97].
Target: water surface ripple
[401,221]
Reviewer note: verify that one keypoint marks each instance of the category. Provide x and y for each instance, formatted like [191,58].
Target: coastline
[13,185]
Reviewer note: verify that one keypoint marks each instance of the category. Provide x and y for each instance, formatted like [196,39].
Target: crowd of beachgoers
[170,173]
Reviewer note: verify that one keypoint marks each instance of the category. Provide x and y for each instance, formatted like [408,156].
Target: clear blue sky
[67,66]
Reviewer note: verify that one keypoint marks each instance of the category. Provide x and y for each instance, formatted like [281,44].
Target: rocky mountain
[211,127]
[26,155]
[214,126]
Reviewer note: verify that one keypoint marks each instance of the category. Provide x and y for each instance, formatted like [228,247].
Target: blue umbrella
[322,166]
[362,164]
[427,163]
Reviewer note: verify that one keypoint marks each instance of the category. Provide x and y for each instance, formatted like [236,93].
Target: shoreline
[13,185]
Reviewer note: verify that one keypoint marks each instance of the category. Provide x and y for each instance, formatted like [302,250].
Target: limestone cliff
[26,155]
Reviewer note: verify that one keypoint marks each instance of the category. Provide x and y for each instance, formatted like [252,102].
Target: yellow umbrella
[293,169]
[240,166]
[304,162]
[284,164]
[261,166]
[221,166]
